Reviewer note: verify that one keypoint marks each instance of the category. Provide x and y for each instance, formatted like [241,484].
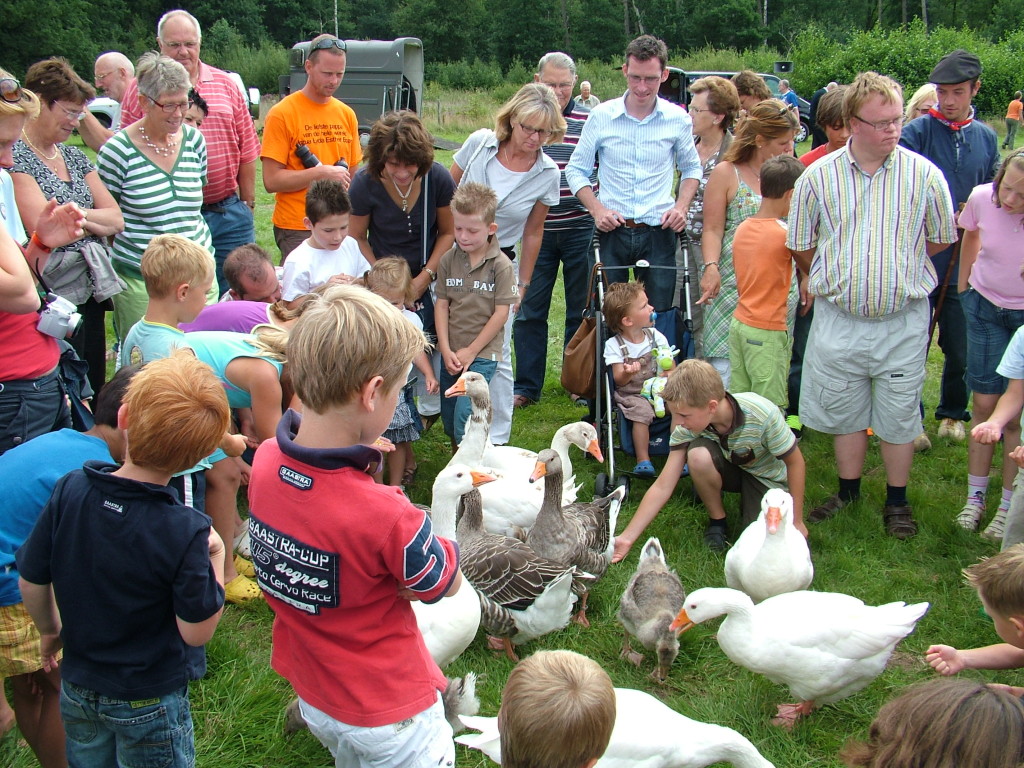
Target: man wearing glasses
[232,145]
[967,154]
[863,222]
[642,140]
[325,130]
[113,71]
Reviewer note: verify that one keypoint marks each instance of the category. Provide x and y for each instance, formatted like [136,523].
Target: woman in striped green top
[156,169]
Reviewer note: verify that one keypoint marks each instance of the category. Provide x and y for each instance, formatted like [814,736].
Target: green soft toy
[664,361]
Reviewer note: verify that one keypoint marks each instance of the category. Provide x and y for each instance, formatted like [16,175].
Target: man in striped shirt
[568,239]
[232,145]
[641,139]
[863,223]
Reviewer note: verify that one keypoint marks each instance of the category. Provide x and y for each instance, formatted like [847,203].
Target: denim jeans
[231,224]
[624,246]
[953,394]
[103,732]
[572,249]
[801,330]
[31,408]
[455,410]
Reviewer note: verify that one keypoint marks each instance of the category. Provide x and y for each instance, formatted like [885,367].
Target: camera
[59,318]
[309,160]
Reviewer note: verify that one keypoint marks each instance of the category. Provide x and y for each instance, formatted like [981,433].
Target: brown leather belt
[634,224]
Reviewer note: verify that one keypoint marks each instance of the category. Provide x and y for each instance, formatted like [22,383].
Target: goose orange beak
[595,450]
[681,623]
[539,471]
[456,389]
[481,478]
[773,518]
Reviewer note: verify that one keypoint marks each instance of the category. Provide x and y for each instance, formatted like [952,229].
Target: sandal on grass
[826,509]
[410,475]
[241,590]
[521,401]
[898,521]
[244,567]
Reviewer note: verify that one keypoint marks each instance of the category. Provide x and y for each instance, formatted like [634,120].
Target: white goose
[509,502]
[651,601]
[824,645]
[647,734]
[771,556]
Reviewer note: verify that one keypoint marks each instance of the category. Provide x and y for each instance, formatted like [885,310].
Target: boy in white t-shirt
[329,255]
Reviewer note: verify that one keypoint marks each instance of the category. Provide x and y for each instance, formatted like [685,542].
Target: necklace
[405,195]
[38,151]
[163,151]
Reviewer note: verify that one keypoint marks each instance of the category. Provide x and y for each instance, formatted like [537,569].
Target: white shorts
[422,741]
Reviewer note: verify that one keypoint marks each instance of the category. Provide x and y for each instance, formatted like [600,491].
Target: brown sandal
[826,509]
[898,521]
[409,476]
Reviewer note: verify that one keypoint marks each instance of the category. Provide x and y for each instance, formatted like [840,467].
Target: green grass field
[238,706]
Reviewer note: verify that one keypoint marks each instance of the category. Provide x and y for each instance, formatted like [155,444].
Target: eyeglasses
[190,45]
[330,42]
[882,125]
[544,133]
[170,109]
[651,80]
[698,110]
[558,86]
[11,91]
[73,114]
[104,76]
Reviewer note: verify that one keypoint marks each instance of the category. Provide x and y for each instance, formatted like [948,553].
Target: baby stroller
[677,326]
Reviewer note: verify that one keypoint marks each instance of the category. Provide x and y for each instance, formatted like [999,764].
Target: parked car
[677,89]
[108,111]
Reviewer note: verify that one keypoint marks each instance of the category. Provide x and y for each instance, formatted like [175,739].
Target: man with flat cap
[967,153]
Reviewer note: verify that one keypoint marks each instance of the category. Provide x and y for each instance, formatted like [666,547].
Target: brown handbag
[579,362]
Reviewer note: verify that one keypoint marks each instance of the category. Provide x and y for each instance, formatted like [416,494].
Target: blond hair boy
[557,711]
[763,454]
[316,514]
[117,555]
[999,581]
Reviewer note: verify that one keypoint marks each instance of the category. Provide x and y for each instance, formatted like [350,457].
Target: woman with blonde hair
[733,194]
[920,103]
[509,160]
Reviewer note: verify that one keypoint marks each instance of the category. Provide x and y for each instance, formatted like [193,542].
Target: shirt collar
[738,419]
[205,72]
[101,473]
[359,457]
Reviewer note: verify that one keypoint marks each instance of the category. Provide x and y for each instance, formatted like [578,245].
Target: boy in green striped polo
[732,442]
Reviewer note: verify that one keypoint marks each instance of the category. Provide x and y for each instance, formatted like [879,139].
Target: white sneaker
[241,544]
[922,443]
[970,516]
[952,429]
[994,530]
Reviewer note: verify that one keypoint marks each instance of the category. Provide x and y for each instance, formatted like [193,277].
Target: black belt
[219,206]
[510,251]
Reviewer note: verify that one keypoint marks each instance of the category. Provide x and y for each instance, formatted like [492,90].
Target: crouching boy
[128,580]
[738,443]
[339,556]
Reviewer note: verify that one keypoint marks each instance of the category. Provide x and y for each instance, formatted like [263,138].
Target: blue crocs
[644,469]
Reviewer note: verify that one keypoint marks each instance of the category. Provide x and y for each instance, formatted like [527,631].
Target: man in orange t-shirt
[1014,117]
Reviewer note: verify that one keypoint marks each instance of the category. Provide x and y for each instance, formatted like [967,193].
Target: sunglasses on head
[330,42]
[11,91]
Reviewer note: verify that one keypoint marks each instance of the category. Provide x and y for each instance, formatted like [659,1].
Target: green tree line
[479,43]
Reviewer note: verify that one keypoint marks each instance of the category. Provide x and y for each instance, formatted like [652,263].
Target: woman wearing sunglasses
[509,160]
[45,168]
[155,169]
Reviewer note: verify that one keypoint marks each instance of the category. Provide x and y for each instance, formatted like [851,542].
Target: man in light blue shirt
[641,140]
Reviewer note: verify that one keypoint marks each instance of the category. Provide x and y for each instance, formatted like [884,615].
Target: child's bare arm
[1008,407]
[42,607]
[233,445]
[796,472]
[422,363]
[199,633]
[656,497]
[623,372]
[947,660]
[494,325]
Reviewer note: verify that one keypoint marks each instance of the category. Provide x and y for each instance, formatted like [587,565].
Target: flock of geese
[531,551]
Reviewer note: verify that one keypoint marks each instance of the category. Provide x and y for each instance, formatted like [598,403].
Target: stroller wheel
[601,488]
[623,482]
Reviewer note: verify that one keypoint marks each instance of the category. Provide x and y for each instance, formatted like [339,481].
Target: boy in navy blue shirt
[136,576]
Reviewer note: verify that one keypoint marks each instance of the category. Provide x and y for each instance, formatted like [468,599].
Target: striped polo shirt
[230,134]
[153,201]
[756,441]
[870,230]
[569,213]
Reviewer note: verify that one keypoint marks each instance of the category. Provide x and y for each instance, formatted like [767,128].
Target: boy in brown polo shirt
[476,285]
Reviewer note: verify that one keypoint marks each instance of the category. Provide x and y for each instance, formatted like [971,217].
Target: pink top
[236,316]
[996,273]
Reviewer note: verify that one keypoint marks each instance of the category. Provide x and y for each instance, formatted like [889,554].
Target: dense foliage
[481,44]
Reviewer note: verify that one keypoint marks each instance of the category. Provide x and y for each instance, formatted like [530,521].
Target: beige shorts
[19,642]
[865,372]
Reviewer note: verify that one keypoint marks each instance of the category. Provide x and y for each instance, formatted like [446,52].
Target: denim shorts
[989,330]
[150,733]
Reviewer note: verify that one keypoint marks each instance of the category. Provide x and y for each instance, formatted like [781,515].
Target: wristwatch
[432,273]
[250,203]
